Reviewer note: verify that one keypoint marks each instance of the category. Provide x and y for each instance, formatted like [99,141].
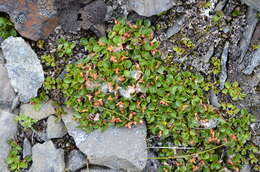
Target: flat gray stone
[55,128]
[7,93]
[24,68]
[8,131]
[46,158]
[253,3]
[150,7]
[116,148]
[75,161]
[46,110]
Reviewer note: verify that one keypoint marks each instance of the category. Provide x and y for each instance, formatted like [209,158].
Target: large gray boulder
[46,158]
[150,7]
[116,148]
[7,93]
[8,131]
[253,3]
[23,67]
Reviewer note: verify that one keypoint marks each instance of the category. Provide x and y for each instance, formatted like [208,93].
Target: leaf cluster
[25,121]
[6,28]
[65,48]
[234,91]
[15,164]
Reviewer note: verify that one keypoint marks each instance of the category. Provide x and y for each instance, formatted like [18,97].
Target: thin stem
[116,113]
[185,156]
[174,147]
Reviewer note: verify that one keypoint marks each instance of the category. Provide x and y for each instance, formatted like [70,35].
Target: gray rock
[246,168]
[27,148]
[214,99]
[116,148]
[253,3]
[248,33]
[7,93]
[75,161]
[46,158]
[100,169]
[24,68]
[46,110]
[224,59]
[176,27]
[150,7]
[8,131]
[256,141]
[55,128]
[220,5]
[212,123]
[254,62]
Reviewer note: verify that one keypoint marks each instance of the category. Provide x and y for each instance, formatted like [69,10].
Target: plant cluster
[65,47]
[25,121]
[15,164]
[48,60]
[6,28]
[124,82]
[234,91]
[216,65]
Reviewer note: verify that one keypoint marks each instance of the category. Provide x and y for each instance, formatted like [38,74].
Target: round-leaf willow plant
[123,82]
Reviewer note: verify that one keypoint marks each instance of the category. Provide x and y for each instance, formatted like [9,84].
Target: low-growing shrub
[124,82]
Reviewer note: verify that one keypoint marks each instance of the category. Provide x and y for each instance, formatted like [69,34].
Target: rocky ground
[217,39]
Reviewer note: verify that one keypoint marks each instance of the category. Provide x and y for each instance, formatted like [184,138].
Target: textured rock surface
[150,7]
[8,131]
[46,158]
[100,169]
[116,148]
[7,93]
[248,33]
[36,19]
[27,148]
[46,110]
[23,66]
[33,19]
[253,3]
[75,161]
[254,62]
[93,13]
[55,128]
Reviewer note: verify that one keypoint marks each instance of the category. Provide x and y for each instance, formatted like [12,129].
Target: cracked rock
[55,128]
[75,161]
[116,148]
[46,158]
[32,19]
[6,90]
[254,62]
[8,131]
[253,3]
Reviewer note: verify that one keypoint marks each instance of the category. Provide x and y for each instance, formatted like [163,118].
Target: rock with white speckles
[24,68]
